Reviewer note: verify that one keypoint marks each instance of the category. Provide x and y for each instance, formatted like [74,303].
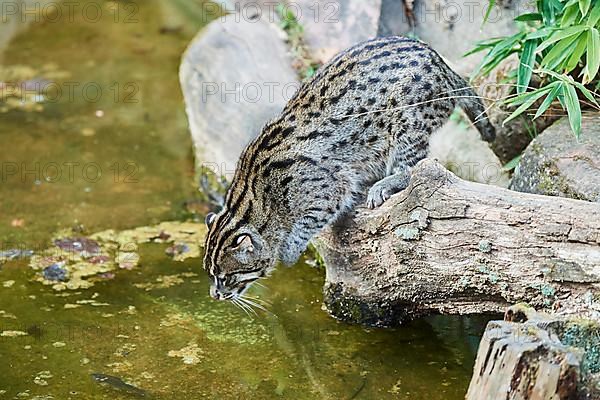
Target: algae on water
[77,262]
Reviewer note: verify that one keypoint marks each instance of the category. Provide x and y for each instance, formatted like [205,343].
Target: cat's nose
[214,293]
[219,295]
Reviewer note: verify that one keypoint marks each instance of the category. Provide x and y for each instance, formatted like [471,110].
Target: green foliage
[512,164]
[305,65]
[289,23]
[560,45]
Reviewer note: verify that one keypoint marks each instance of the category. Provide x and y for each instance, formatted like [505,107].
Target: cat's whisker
[235,302]
[242,306]
[259,300]
[253,303]
[259,306]
[260,285]
[247,304]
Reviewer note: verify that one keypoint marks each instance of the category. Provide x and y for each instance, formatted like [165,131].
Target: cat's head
[235,255]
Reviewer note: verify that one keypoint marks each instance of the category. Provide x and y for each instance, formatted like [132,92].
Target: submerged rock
[191,354]
[556,163]
[56,272]
[177,250]
[82,245]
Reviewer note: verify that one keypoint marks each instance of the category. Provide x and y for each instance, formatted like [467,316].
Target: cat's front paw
[378,194]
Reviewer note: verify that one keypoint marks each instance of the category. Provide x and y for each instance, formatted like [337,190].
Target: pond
[106,146]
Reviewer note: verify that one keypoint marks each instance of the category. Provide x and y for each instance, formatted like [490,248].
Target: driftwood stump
[445,245]
[532,355]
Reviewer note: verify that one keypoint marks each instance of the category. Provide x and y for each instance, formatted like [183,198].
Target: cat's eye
[244,242]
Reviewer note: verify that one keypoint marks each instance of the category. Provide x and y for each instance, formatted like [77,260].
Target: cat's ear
[244,243]
[210,218]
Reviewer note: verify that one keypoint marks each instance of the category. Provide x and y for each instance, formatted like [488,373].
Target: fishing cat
[350,134]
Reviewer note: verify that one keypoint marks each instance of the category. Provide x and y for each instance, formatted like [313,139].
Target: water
[164,337]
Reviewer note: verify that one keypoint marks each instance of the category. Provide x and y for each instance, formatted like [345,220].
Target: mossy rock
[557,163]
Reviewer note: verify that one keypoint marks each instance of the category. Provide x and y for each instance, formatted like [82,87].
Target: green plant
[560,45]
[303,62]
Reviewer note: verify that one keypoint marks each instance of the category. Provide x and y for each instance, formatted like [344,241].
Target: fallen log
[445,245]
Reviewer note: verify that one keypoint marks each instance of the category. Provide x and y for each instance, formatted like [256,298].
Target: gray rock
[393,19]
[557,164]
[458,147]
[332,26]
[235,76]
[450,27]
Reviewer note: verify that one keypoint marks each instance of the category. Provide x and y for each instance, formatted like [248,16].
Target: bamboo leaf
[549,99]
[482,45]
[584,6]
[512,164]
[494,63]
[540,33]
[557,5]
[587,93]
[500,51]
[594,15]
[593,55]
[570,15]
[552,74]
[561,34]
[559,53]
[573,108]
[489,10]
[532,97]
[526,62]
[529,17]
[547,14]
[578,51]
[568,80]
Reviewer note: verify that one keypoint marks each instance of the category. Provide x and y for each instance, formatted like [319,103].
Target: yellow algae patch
[41,378]
[191,354]
[165,281]
[175,320]
[77,262]
[5,314]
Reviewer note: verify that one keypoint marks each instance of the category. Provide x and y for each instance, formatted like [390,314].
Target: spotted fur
[350,134]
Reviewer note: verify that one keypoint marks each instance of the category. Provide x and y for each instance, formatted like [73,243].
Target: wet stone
[55,272]
[78,245]
[177,249]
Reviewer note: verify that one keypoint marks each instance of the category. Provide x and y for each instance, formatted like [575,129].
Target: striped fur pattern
[350,135]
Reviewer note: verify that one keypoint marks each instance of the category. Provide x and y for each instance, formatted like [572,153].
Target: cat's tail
[470,102]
